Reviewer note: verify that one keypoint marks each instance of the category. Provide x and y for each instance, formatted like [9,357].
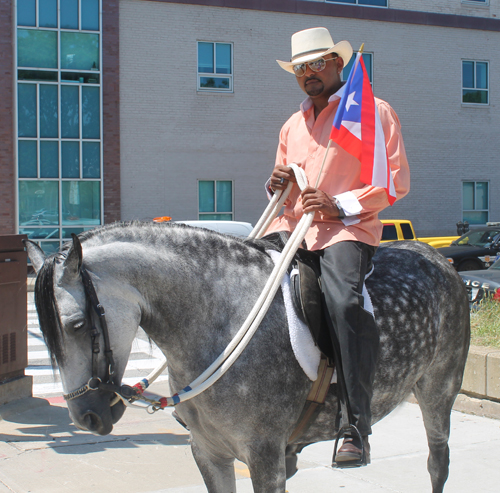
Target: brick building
[131,109]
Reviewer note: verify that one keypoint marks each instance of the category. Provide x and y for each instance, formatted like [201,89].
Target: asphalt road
[41,451]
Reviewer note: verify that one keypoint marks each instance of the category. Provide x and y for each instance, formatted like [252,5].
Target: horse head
[76,335]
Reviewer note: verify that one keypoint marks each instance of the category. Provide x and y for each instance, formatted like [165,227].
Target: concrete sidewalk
[42,452]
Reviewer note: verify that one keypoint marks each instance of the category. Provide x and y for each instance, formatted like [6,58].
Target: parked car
[402,229]
[482,283]
[474,250]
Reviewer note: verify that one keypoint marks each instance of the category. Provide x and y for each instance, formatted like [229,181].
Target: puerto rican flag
[358,130]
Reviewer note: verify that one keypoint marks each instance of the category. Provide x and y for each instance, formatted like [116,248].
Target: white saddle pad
[306,352]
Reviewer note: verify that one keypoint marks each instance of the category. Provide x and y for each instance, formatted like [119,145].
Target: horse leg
[291,458]
[435,398]
[217,471]
[267,468]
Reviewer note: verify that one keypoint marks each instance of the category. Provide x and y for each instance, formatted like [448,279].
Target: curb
[471,405]
[482,373]
[477,407]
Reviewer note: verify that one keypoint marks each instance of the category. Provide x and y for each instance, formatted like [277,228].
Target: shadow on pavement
[35,424]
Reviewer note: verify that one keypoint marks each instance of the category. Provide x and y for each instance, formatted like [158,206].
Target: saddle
[305,281]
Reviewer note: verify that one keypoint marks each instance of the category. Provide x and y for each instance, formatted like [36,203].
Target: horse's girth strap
[315,399]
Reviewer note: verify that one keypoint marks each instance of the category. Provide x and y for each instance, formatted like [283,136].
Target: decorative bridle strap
[95,382]
[101,314]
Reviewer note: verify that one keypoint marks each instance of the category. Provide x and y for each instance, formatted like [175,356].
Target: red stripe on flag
[367,129]
[347,140]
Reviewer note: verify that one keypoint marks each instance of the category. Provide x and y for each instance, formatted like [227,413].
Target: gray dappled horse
[191,289]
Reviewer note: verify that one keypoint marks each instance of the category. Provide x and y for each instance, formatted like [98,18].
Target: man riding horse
[346,229]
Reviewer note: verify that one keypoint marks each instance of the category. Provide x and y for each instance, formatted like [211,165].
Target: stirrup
[362,461]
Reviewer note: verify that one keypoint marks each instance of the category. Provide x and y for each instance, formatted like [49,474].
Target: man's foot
[351,454]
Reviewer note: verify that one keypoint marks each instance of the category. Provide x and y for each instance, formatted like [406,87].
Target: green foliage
[485,324]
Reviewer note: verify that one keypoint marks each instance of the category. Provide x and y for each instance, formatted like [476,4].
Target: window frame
[487,90]
[487,210]
[201,214]
[386,6]
[214,74]
[62,224]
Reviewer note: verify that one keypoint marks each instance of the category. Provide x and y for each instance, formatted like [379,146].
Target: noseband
[95,382]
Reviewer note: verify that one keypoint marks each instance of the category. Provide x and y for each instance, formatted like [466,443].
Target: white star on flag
[350,100]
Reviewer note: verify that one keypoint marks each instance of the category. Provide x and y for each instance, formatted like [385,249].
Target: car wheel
[469,265]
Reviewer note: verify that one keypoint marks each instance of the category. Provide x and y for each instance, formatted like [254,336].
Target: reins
[220,366]
[230,354]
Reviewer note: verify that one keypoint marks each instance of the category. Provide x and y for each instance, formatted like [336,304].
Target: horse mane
[153,233]
[45,306]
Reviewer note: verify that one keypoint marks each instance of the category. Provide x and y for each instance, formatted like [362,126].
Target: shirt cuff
[351,207]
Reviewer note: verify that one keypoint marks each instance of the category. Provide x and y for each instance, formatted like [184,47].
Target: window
[371,3]
[389,232]
[475,82]
[215,67]
[367,58]
[215,200]
[59,113]
[475,202]
[407,231]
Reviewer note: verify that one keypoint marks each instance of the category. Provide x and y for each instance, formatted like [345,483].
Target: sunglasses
[315,66]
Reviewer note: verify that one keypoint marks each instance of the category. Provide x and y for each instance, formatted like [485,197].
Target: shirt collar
[307,104]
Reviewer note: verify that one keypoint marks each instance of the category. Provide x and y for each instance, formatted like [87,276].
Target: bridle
[95,382]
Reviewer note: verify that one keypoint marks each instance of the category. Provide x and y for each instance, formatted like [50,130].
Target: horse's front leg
[267,468]
[217,471]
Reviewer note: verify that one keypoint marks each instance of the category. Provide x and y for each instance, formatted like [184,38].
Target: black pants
[343,269]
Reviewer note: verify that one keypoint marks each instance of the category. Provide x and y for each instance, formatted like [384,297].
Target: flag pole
[323,164]
[330,141]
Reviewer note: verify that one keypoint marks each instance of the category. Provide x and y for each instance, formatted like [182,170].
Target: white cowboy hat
[311,44]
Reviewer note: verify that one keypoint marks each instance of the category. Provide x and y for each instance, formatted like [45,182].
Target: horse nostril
[92,421]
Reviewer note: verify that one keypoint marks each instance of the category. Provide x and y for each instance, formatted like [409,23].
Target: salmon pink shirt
[303,140]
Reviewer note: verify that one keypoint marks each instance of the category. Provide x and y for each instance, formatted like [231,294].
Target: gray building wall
[172,136]
[457,7]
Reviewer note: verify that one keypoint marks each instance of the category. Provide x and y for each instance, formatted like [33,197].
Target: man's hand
[314,200]
[281,176]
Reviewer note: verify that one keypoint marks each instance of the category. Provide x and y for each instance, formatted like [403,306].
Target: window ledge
[358,4]
[479,5]
[475,105]
[220,93]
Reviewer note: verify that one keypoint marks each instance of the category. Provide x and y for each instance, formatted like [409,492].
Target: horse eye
[79,326]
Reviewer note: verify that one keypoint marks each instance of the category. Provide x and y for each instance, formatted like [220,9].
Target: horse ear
[35,253]
[73,262]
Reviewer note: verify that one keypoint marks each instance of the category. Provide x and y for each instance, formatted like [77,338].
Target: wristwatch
[339,207]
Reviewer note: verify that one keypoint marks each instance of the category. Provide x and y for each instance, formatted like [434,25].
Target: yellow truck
[402,229]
